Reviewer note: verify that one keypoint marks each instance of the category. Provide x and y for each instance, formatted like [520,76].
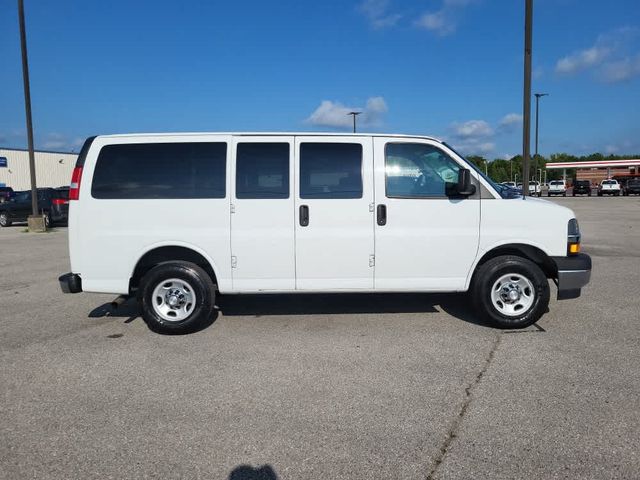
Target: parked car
[5,193]
[510,184]
[173,219]
[557,187]
[609,187]
[581,187]
[52,203]
[534,188]
[631,187]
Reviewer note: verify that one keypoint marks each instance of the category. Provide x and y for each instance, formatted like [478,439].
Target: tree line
[501,170]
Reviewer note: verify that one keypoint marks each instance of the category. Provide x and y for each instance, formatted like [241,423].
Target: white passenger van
[176,218]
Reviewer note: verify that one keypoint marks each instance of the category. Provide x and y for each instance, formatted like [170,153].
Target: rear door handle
[381,214]
[304,215]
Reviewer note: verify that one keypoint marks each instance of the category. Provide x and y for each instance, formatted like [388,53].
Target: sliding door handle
[304,215]
[381,214]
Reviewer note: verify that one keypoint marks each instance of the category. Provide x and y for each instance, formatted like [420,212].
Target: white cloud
[58,141]
[510,122]
[582,60]
[436,22]
[378,14]
[445,20]
[609,57]
[473,147]
[620,70]
[336,115]
[472,129]
[473,137]
[611,149]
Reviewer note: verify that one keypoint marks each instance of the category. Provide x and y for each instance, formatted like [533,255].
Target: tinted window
[62,193]
[161,170]
[262,170]
[416,170]
[330,170]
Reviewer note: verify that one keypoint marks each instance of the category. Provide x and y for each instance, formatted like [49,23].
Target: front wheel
[4,220]
[177,297]
[510,292]
[564,194]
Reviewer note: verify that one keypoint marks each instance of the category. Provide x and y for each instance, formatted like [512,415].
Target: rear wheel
[177,297]
[510,291]
[48,222]
[4,220]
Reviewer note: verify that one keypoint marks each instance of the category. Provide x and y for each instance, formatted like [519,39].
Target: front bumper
[70,283]
[573,273]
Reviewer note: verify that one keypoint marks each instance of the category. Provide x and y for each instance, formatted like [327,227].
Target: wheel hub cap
[174,300]
[513,294]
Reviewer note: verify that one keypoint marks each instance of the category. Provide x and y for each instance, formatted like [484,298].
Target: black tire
[489,273]
[548,194]
[48,222]
[4,220]
[564,194]
[599,194]
[202,312]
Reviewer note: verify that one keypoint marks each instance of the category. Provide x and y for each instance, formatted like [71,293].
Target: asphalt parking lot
[352,386]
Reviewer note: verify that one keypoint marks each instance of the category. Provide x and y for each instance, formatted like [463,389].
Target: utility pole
[354,115]
[526,124]
[535,155]
[33,224]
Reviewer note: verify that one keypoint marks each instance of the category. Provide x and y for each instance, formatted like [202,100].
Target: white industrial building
[53,169]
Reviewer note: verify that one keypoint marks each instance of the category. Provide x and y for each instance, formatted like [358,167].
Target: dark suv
[5,194]
[631,187]
[581,187]
[53,203]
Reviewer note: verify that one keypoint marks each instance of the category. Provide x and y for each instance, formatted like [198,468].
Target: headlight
[573,237]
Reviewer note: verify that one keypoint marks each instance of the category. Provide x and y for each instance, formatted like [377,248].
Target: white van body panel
[427,244]
[333,252]
[108,237]
[262,232]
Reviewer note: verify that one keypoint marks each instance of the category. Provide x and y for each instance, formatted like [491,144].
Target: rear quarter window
[161,171]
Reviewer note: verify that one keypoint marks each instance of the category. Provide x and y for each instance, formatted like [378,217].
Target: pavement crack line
[452,433]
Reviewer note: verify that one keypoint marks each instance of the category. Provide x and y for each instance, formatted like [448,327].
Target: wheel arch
[530,252]
[171,252]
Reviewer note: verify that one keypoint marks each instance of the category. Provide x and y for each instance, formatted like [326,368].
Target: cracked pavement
[323,386]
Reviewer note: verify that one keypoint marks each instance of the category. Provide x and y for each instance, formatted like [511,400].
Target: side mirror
[464,187]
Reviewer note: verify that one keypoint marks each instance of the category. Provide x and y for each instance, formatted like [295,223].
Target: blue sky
[450,68]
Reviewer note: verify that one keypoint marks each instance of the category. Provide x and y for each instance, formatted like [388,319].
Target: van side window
[262,170]
[417,170]
[160,170]
[330,170]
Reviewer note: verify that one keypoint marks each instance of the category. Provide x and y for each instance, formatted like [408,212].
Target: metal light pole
[526,124]
[27,107]
[354,114]
[535,155]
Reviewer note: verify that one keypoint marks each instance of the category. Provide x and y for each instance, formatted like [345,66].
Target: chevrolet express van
[175,219]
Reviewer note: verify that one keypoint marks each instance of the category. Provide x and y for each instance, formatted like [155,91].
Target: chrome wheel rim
[173,300]
[513,295]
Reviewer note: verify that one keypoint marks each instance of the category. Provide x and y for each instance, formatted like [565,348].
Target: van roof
[267,134]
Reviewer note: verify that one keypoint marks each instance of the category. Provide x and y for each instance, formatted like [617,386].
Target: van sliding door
[262,214]
[334,213]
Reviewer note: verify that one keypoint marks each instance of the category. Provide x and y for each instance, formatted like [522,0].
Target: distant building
[596,171]
[53,169]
